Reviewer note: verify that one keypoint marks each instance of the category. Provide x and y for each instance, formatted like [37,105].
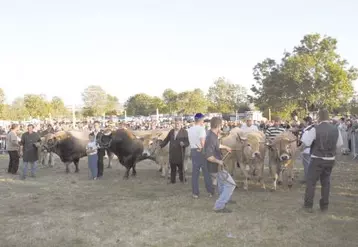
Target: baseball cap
[198,116]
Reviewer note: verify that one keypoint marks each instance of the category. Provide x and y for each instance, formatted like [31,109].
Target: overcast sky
[59,47]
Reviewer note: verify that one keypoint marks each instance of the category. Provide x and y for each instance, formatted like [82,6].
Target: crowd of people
[319,141]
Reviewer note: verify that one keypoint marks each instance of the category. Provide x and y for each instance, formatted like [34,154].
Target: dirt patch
[58,209]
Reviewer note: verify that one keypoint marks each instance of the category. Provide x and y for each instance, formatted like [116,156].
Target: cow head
[150,144]
[283,148]
[252,144]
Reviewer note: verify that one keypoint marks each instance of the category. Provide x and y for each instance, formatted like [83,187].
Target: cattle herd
[248,151]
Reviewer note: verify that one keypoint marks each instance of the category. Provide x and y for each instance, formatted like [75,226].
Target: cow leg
[110,158]
[246,175]
[126,175]
[76,161]
[134,172]
[163,170]
[67,167]
[275,182]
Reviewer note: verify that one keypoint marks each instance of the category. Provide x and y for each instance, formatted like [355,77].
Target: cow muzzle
[284,157]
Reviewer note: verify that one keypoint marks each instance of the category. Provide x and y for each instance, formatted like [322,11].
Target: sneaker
[210,195]
[195,196]
[33,175]
[324,210]
[223,210]
[95,178]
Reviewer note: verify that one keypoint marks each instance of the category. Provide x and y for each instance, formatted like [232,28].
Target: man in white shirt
[197,135]
[323,139]
[306,156]
[249,126]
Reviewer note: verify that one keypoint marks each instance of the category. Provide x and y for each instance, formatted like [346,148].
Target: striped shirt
[273,131]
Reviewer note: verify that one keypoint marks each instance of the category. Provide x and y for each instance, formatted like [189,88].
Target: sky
[59,47]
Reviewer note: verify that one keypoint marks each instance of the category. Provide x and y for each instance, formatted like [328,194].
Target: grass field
[57,209]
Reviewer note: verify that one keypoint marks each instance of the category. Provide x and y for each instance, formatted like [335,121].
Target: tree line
[311,76]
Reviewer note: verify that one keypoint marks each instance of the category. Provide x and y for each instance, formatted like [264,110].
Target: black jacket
[176,152]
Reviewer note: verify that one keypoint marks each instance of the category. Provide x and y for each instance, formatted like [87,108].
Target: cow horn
[241,138]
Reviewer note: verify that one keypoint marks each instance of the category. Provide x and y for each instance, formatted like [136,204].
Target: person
[271,133]
[30,142]
[249,126]
[92,156]
[178,138]
[13,148]
[324,139]
[47,157]
[101,151]
[306,156]
[197,134]
[215,164]
[342,127]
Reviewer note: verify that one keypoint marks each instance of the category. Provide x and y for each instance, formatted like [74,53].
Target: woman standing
[13,148]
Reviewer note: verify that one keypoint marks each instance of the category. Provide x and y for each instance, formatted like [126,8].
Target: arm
[186,138]
[308,137]
[339,140]
[209,154]
[202,138]
[167,139]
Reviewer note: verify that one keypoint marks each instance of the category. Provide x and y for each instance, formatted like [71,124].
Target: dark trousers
[13,162]
[318,169]
[173,172]
[101,153]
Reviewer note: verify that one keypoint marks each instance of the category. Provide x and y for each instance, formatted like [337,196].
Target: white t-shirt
[251,128]
[92,148]
[195,133]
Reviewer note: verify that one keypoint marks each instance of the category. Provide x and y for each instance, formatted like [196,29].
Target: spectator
[30,142]
[13,148]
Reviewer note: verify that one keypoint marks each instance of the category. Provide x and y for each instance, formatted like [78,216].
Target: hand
[182,144]
[221,164]
[228,149]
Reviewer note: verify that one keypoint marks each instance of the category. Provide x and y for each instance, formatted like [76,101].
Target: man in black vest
[101,151]
[324,139]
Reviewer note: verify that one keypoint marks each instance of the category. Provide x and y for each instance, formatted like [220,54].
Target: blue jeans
[226,186]
[306,158]
[92,165]
[25,168]
[199,161]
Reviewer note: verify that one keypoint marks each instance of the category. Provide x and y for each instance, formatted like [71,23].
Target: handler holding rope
[215,164]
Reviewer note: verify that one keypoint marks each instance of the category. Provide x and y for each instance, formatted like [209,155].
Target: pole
[73,116]
[157,115]
[236,116]
[269,112]
[125,115]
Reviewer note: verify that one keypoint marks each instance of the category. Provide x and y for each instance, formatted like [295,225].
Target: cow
[161,155]
[70,146]
[282,156]
[249,151]
[127,147]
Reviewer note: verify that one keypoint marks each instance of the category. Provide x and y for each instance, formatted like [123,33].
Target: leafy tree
[88,112]
[58,108]
[190,102]
[95,97]
[112,105]
[2,102]
[17,110]
[142,104]
[170,100]
[36,105]
[226,97]
[312,76]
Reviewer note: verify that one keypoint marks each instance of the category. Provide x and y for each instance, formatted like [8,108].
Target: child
[92,156]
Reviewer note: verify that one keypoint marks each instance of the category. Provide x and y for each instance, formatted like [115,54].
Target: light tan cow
[249,151]
[152,141]
[282,155]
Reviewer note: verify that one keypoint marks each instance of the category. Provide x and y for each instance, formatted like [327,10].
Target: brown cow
[282,155]
[249,151]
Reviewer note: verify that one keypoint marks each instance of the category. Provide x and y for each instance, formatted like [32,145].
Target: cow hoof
[279,182]
[290,186]
[125,177]
[160,170]
[77,171]
[134,174]
[109,167]
[67,171]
